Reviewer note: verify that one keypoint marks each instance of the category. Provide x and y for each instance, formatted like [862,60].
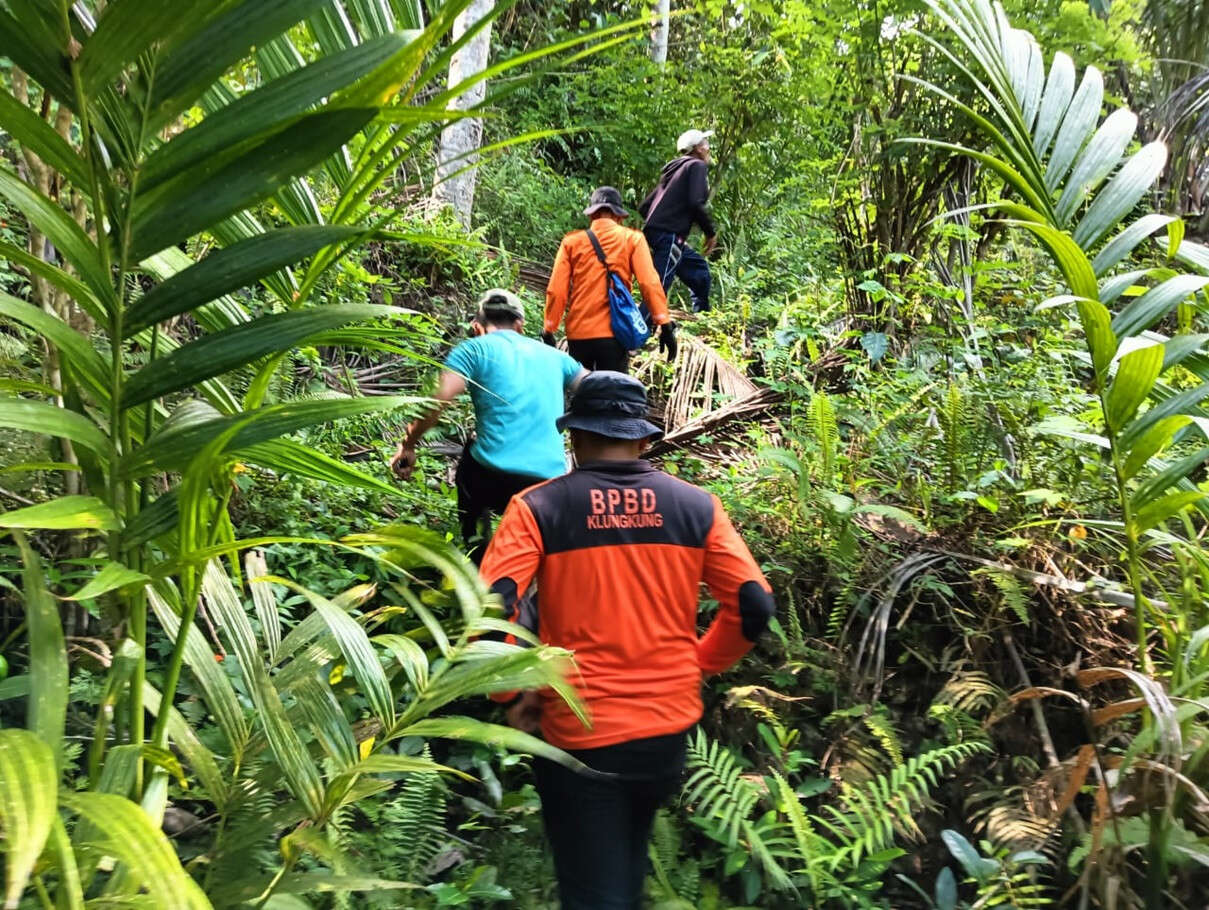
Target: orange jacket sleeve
[653,294]
[558,290]
[744,596]
[511,561]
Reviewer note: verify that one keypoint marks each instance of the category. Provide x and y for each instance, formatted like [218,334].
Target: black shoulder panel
[610,506]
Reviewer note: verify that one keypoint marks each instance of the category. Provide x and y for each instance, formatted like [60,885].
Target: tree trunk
[659,31]
[460,140]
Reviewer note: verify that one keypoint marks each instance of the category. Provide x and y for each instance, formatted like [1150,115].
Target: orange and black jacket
[619,550]
[578,286]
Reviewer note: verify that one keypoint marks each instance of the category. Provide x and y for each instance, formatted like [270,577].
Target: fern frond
[1011,592]
[811,848]
[821,414]
[797,637]
[873,811]
[883,731]
[971,691]
[716,790]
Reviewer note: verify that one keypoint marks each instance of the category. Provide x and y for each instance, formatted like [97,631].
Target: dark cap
[611,404]
[605,197]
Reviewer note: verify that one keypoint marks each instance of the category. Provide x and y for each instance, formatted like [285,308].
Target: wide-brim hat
[610,404]
[606,197]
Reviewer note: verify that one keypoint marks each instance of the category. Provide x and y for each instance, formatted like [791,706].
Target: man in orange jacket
[578,286]
[619,550]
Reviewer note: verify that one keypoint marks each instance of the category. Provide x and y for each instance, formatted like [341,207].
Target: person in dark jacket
[672,208]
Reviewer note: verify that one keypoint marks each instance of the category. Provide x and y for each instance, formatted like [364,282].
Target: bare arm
[449,387]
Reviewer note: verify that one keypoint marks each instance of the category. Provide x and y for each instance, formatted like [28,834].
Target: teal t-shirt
[517,385]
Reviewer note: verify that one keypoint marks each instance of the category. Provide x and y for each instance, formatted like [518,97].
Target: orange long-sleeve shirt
[578,283]
[619,551]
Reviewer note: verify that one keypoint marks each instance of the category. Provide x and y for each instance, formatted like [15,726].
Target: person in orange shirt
[619,550]
[578,287]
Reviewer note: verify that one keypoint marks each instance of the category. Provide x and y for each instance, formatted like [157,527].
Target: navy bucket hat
[611,404]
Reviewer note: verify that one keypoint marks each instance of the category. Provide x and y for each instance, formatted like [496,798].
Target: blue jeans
[674,258]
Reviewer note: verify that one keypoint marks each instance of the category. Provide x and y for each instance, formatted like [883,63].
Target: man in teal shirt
[517,386]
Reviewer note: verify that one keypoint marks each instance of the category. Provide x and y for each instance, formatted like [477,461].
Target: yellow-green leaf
[28,792]
[1136,373]
[64,513]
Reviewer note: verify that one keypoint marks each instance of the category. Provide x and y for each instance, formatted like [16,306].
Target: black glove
[548,338]
[667,340]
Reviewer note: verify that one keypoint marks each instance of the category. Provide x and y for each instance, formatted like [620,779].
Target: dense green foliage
[243,664]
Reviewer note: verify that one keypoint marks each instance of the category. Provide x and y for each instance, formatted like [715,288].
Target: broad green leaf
[126,29]
[191,64]
[146,856]
[1193,254]
[1099,157]
[64,513]
[1077,124]
[28,796]
[37,136]
[1152,306]
[113,575]
[42,417]
[271,105]
[292,756]
[197,756]
[1153,514]
[1136,373]
[355,646]
[1059,88]
[1180,403]
[219,695]
[67,236]
[213,355]
[264,601]
[1183,348]
[1152,442]
[1128,239]
[47,710]
[1071,260]
[476,731]
[385,763]
[1175,237]
[1100,338]
[160,517]
[1117,285]
[71,892]
[173,448]
[37,55]
[1121,194]
[314,700]
[75,348]
[196,198]
[288,456]
[231,269]
[1178,473]
[411,657]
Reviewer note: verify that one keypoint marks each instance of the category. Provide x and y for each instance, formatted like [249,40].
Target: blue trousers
[674,258]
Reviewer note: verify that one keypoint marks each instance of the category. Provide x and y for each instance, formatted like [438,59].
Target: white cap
[690,139]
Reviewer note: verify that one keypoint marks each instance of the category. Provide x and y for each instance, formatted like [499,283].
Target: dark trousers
[600,354]
[674,258]
[599,829]
[481,491]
